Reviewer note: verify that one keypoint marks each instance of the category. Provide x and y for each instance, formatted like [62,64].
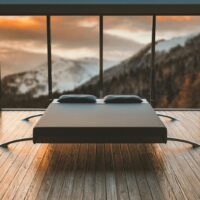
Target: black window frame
[152,88]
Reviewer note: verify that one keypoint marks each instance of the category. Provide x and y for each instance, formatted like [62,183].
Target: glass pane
[127,55]
[178,62]
[23,61]
[75,50]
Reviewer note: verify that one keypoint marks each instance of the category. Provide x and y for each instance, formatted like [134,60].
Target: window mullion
[101,56]
[49,56]
[153,43]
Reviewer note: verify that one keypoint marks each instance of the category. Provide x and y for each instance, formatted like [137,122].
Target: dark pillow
[122,99]
[77,98]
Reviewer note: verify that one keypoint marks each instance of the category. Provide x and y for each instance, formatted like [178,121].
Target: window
[23,61]
[177,61]
[127,55]
[75,54]
[75,58]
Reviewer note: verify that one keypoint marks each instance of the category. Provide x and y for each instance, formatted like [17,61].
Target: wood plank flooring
[100,171]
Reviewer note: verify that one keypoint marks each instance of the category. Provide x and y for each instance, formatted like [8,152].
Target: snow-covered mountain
[177,74]
[177,71]
[167,45]
[66,75]
[14,61]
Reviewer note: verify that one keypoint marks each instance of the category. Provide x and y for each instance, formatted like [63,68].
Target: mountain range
[177,76]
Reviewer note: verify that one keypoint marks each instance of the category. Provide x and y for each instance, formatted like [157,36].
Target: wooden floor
[151,171]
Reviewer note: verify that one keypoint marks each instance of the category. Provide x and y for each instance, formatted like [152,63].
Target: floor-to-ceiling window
[177,62]
[76,46]
[23,61]
[127,55]
[75,54]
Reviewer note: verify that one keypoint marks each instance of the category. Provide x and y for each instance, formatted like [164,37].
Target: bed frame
[100,8]
[99,123]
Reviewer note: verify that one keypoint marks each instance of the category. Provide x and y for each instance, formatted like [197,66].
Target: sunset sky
[76,37]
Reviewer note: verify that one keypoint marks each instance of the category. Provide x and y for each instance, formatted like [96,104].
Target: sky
[76,37]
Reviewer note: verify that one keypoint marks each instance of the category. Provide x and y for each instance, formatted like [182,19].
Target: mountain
[167,45]
[177,74]
[15,61]
[177,77]
[67,74]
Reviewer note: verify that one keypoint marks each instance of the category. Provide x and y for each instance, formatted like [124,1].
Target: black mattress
[99,123]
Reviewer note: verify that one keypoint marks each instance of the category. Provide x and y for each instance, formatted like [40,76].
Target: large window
[127,55]
[177,61]
[75,54]
[77,43]
[23,61]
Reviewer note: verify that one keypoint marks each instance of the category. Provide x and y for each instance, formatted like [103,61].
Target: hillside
[177,77]
[28,86]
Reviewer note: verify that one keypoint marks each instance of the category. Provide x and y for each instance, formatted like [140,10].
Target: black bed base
[194,144]
[167,116]
[5,145]
[32,116]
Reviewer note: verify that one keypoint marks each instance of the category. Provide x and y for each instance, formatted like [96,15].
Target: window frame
[101,18]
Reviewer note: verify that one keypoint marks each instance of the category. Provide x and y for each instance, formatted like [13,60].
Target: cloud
[72,35]
[75,32]
[22,28]
[117,48]
[15,60]
[132,23]
[174,26]
[78,36]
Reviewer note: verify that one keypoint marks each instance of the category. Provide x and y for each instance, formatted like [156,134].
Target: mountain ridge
[175,71]
[176,78]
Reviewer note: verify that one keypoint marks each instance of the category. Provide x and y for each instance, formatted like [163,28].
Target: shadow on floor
[104,157]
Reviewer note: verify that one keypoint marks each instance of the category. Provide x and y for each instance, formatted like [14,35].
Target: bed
[99,123]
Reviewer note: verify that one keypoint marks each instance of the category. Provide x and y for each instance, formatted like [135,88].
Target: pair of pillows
[82,98]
